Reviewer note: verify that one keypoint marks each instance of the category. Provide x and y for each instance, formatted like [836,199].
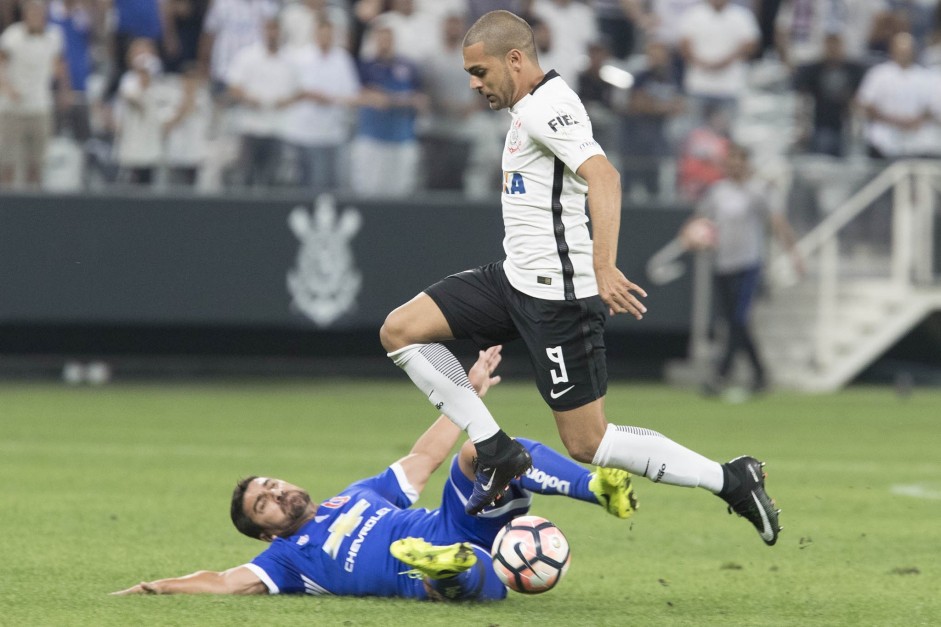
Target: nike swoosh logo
[767,533]
[754,474]
[553,394]
[321,518]
[486,486]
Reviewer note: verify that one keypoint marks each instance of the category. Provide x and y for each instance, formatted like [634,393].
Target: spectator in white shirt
[300,19]
[800,28]
[410,30]
[138,137]
[187,117]
[896,97]
[262,83]
[319,124]
[440,10]
[662,21]
[230,27]
[573,29]
[30,57]
[717,38]
[447,140]
[862,22]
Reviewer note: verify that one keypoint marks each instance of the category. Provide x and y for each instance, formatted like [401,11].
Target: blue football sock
[478,583]
[553,473]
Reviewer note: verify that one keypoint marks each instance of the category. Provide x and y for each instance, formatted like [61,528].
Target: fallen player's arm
[238,580]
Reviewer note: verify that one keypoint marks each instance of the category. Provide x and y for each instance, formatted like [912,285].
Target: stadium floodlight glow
[613,75]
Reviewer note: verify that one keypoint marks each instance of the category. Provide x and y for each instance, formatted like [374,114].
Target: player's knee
[393,332]
[582,449]
[582,437]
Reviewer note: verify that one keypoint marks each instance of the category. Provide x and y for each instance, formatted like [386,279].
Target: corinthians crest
[325,282]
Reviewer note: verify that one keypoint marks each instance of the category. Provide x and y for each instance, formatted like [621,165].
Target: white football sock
[438,373]
[657,457]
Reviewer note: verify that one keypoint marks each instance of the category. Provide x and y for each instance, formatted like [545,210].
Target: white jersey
[547,244]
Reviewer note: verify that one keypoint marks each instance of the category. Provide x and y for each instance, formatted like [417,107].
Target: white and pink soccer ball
[530,555]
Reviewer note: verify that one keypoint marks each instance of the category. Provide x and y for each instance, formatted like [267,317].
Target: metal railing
[914,186]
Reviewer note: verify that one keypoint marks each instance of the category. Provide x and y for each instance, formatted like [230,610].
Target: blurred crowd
[369,96]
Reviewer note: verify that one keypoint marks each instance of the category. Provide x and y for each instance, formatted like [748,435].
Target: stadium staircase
[856,299]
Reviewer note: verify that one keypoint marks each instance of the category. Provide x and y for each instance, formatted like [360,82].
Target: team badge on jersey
[513,139]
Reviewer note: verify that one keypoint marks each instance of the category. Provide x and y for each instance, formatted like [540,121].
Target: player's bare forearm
[429,452]
[237,580]
[604,203]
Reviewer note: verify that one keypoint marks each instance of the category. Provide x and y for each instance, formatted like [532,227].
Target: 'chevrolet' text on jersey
[547,244]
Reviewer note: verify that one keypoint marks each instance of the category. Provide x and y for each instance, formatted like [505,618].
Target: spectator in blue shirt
[385,153]
[76,20]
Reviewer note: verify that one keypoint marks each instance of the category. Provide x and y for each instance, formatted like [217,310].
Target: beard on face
[506,89]
[295,503]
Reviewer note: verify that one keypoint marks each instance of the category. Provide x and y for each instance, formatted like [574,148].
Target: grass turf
[106,487]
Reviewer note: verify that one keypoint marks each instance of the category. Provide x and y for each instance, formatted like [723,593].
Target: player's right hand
[618,293]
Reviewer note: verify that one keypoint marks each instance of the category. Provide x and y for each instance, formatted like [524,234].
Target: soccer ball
[530,555]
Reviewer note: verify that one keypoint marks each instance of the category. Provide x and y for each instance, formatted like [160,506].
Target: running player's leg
[569,357]
[462,305]
[740,482]
[588,437]
[411,336]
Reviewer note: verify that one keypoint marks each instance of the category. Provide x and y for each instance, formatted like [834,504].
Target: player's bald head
[500,32]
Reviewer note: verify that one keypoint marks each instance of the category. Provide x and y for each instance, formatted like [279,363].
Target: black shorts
[565,338]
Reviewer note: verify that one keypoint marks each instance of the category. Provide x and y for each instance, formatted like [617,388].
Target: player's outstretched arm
[435,444]
[604,203]
[238,580]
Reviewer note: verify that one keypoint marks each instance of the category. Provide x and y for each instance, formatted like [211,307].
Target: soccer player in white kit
[554,290]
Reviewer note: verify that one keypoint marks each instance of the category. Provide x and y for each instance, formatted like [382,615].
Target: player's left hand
[481,373]
[616,292]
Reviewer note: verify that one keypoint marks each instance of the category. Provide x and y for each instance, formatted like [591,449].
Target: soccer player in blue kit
[367,541]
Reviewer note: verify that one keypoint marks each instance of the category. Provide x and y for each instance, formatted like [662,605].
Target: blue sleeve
[276,570]
[392,485]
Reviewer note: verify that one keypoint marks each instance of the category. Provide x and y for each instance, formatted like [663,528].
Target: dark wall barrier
[261,261]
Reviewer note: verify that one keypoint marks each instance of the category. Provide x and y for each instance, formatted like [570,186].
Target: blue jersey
[396,77]
[139,18]
[344,549]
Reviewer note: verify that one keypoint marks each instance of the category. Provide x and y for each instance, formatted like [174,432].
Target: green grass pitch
[105,487]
